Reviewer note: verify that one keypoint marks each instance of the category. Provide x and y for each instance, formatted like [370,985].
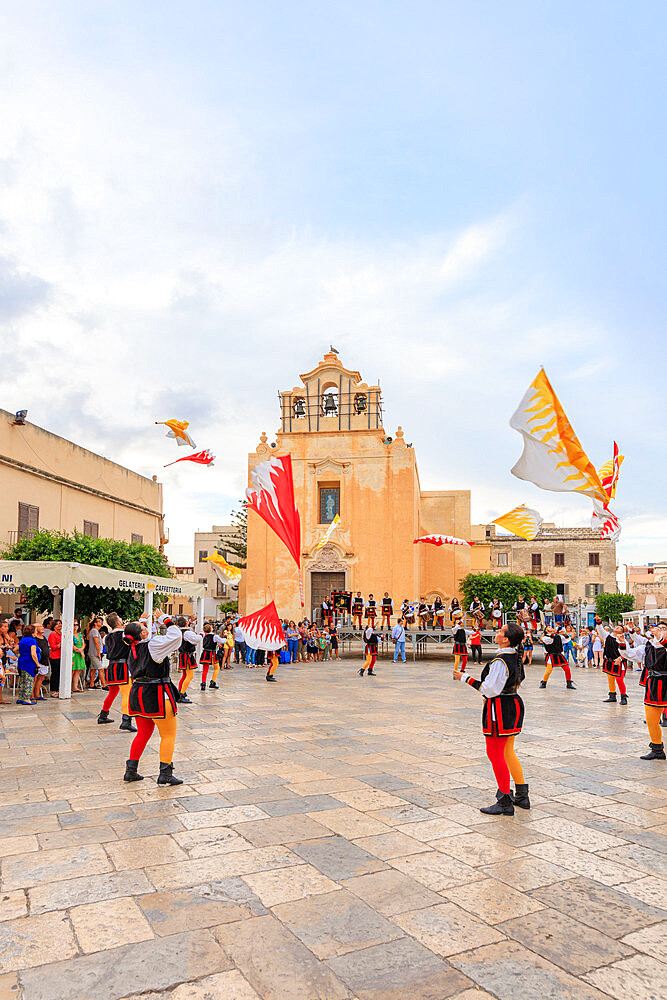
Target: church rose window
[329,503]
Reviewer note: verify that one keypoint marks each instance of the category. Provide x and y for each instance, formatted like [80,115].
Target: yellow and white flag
[553,457]
[222,568]
[609,472]
[522,521]
[328,533]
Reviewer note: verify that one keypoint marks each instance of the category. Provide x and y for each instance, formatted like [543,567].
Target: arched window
[330,401]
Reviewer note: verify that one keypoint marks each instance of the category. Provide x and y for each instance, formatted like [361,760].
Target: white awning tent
[644,617]
[67,576]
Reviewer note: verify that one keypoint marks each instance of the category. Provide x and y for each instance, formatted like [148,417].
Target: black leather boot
[502,807]
[571,685]
[371,672]
[361,672]
[612,697]
[543,684]
[103,718]
[657,752]
[126,725]
[131,772]
[624,699]
[212,684]
[520,797]
[270,677]
[202,686]
[166,776]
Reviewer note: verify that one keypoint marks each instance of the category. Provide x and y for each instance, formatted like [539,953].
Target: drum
[427,617]
[523,616]
[409,615]
[478,616]
[457,614]
[497,614]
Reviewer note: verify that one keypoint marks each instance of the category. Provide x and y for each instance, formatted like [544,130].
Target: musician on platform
[387,610]
[357,610]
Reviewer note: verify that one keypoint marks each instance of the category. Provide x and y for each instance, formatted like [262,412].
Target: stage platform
[415,639]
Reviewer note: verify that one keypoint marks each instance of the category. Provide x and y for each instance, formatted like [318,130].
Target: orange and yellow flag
[553,457]
[521,521]
[223,568]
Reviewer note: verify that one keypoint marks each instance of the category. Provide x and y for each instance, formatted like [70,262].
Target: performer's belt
[151,680]
[111,662]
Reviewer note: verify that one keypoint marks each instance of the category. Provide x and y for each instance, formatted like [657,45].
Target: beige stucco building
[576,560]
[648,585]
[206,543]
[345,462]
[49,482]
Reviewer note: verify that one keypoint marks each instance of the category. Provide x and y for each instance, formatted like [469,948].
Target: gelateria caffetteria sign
[14,575]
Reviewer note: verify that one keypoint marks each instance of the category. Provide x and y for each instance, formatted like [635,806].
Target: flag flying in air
[606,521]
[263,630]
[223,570]
[272,497]
[328,533]
[205,457]
[178,429]
[522,521]
[553,457]
[609,472]
[441,540]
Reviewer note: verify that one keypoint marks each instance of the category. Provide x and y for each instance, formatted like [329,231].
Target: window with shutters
[593,558]
[536,562]
[503,559]
[593,589]
[203,554]
[180,609]
[91,529]
[221,589]
[137,539]
[28,520]
[559,558]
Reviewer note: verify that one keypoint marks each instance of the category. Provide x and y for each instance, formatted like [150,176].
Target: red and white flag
[272,497]
[442,540]
[606,521]
[263,630]
[200,457]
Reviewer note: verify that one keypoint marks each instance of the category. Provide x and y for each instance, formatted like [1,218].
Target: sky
[197,199]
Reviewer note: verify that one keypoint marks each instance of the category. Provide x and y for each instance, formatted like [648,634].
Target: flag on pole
[553,457]
[328,533]
[223,569]
[521,521]
[606,521]
[273,499]
[178,430]
[263,629]
[609,472]
[200,457]
[442,540]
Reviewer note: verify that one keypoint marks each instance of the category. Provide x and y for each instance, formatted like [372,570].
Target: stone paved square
[327,843]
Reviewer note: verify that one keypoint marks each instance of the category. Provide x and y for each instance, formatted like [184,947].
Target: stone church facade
[345,463]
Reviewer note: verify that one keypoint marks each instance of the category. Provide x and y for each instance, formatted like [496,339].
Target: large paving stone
[169,912]
[396,971]
[62,895]
[28,870]
[511,972]
[35,941]
[337,858]
[567,943]
[276,964]
[335,923]
[446,929]
[605,909]
[391,892]
[106,975]
[223,986]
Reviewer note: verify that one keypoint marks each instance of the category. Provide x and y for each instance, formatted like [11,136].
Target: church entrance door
[322,585]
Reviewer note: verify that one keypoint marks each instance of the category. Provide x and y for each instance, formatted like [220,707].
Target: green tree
[506,587]
[238,546]
[610,607]
[58,546]
[228,608]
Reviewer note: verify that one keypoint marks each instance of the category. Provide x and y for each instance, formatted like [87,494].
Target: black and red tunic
[502,714]
[554,651]
[208,649]
[612,657]
[151,687]
[358,606]
[187,659]
[118,671]
[655,663]
[371,610]
[460,639]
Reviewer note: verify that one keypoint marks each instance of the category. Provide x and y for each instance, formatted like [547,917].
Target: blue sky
[208,195]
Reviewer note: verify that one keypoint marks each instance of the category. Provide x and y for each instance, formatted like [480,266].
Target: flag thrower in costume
[200,457]
[224,571]
[328,533]
[178,430]
[272,497]
[263,630]
[442,540]
[553,457]
[521,521]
